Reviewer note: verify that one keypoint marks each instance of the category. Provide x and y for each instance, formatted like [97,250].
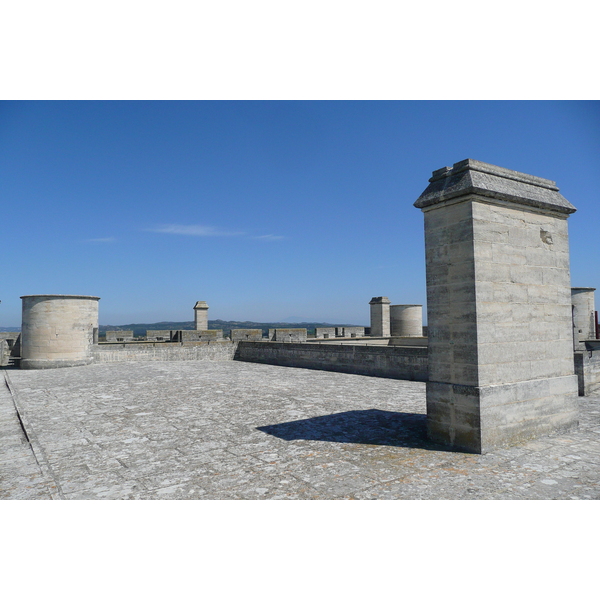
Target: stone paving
[234,430]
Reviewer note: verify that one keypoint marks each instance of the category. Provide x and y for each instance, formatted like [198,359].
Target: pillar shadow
[374,427]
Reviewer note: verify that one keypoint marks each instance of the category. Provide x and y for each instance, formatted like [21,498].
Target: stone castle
[508,348]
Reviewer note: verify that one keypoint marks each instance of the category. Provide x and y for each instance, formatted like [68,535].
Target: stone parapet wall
[249,335]
[158,335]
[126,335]
[350,332]
[325,332]
[587,369]
[377,361]
[298,334]
[220,350]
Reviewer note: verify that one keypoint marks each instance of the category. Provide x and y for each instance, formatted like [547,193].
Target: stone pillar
[201,316]
[380,316]
[499,307]
[584,322]
[406,320]
[58,331]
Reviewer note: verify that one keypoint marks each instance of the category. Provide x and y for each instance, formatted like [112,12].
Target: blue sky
[265,209]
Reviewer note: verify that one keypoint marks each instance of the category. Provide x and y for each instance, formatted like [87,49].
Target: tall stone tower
[380,316]
[499,307]
[201,316]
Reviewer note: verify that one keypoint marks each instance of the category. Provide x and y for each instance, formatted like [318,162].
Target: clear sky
[268,210]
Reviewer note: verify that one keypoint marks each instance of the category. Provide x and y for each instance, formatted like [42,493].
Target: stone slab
[231,430]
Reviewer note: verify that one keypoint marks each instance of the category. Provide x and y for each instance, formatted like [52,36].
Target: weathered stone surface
[247,335]
[406,320]
[499,308]
[587,368]
[475,177]
[201,316]
[584,322]
[380,316]
[325,332]
[377,361]
[170,351]
[119,336]
[298,334]
[58,330]
[231,430]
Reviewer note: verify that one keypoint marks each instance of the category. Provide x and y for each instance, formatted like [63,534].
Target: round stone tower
[58,331]
[406,320]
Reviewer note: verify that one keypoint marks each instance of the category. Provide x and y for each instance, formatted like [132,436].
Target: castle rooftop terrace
[235,430]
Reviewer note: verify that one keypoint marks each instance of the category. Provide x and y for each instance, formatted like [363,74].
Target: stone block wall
[376,361]
[219,350]
[158,335]
[247,335]
[499,307]
[587,368]
[350,332]
[288,335]
[187,335]
[325,332]
[58,330]
[119,336]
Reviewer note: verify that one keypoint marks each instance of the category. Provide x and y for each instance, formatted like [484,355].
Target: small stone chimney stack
[380,316]
[201,315]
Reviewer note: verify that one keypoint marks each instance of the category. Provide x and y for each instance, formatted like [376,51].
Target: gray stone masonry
[350,332]
[164,351]
[58,330]
[584,322]
[499,307]
[377,361]
[206,335]
[119,336]
[380,316]
[201,315]
[10,346]
[158,335]
[325,332]
[406,320]
[242,431]
[246,335]
[587,368]
[288,335]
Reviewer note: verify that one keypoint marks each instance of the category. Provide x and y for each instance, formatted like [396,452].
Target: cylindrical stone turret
[58,331]
[584,324]
[380,316]
[201,316]
[406,320]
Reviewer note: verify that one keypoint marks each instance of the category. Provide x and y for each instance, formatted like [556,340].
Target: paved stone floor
[234,430]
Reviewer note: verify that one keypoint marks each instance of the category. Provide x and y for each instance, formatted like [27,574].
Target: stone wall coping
[407,305]
[61,296]
[380,300]
[475,177]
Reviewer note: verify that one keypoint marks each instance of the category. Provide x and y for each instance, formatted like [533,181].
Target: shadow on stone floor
[375,427]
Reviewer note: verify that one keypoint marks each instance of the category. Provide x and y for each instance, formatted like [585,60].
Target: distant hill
[139,329]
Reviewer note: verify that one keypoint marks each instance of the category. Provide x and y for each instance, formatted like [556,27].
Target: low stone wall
[248,335]
[119,336]
[377,361]
[587,368]
[220,350]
